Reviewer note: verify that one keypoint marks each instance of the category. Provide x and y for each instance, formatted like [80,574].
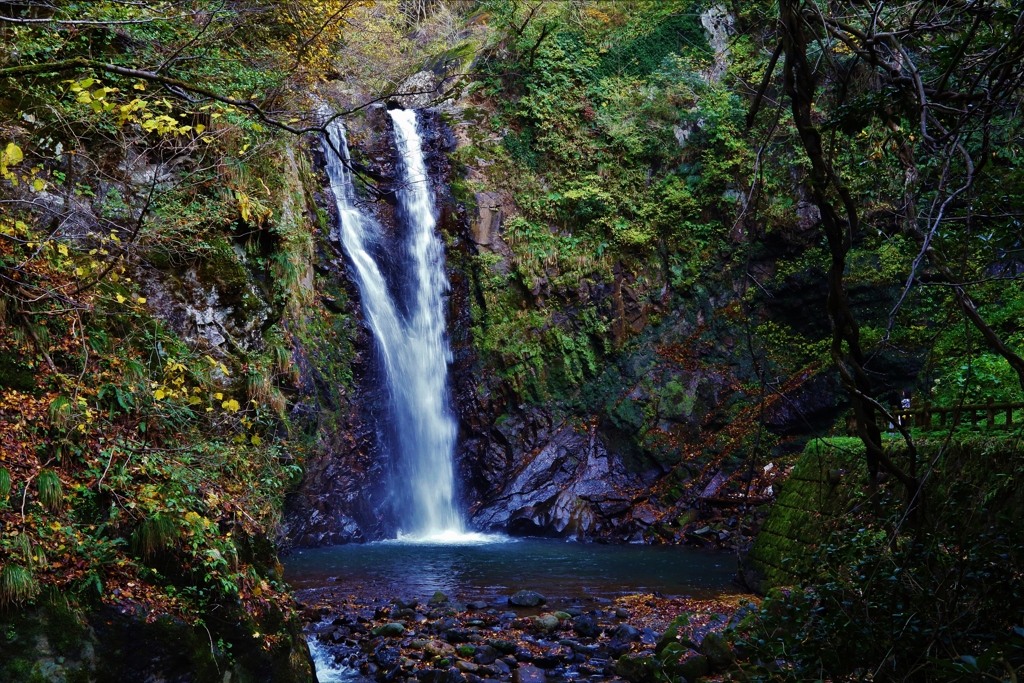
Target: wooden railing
[929,417]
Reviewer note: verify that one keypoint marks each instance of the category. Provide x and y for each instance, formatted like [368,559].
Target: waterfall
[412,337]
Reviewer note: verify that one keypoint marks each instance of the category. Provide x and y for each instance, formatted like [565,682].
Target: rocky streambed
[460,614]
[525,638]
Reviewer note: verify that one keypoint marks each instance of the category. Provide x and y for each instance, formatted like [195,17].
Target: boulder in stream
[526,598]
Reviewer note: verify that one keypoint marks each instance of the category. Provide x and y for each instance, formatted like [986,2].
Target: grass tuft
[51,493]
[154,534]
[16,585]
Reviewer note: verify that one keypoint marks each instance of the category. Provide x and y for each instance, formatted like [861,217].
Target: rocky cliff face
[643,445]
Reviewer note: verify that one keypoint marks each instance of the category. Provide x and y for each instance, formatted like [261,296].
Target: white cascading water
[414,346]
[426,426]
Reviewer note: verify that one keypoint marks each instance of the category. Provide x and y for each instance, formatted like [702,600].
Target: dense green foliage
[876,596]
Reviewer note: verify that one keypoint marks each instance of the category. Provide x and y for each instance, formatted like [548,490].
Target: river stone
[477,604]
[546,623]
[458,635]
[717,650]
[436,648]
[504,646]
[585,626]
[563,616]
[438,598]
[527,599]
[392,630]
[485,654]
[388,657]
[528,674]
[622,613]
[626,633]
[466,667]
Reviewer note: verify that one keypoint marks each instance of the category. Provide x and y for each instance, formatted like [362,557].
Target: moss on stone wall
[817,491]
[829,476]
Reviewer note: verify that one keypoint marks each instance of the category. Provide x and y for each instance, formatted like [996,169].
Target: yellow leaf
[120,299]
[194,400]
[231,405]
[159,394]
[63,249]
[140,85]
[256,440]
[218,396]
[200,128]
[141,299]
[12,155]
[38,184]
[79,271]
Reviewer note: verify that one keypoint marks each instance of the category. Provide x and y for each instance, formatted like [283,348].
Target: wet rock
[402,603]
[585,626]
[527,598]
[626,633]
[438,598]
[392,630]
[546,623]
[528,674]
[459,635]
[562,616]
[466,667]
[649,636]
[388,657]
[451,675]
[437,648]
[621,613]
[477,605]
[506,647]
[485,654]
[560,488]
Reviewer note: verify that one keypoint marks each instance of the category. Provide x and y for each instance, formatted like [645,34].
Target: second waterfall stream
[407,317]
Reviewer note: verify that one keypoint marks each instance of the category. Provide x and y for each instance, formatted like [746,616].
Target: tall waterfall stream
[412,339]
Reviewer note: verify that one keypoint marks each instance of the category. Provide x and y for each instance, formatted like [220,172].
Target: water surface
[493,570]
